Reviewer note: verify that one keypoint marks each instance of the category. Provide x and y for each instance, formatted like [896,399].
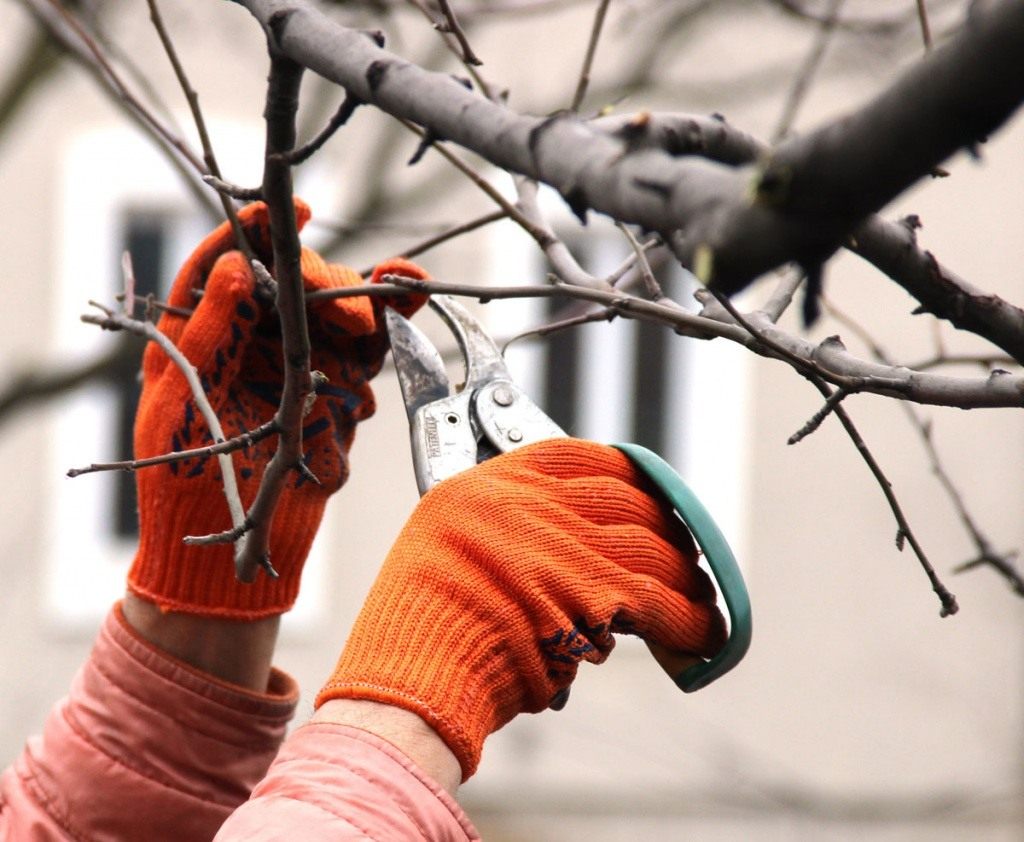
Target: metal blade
[421,373]
[484,362]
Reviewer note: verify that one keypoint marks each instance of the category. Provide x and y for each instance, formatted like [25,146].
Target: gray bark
[813,191]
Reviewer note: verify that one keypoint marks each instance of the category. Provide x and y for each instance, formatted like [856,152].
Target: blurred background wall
[858,714]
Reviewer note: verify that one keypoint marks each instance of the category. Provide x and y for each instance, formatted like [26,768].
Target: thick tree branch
[282,105]
[832,178]
[890,246]
[814,191]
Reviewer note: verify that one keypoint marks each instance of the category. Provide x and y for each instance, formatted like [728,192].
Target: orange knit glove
[233,340]
[510,574]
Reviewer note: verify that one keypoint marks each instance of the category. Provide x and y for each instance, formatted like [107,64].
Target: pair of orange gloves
[502,581]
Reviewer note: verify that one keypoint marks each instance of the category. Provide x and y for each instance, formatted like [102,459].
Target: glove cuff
[510,574]
[467,683]
[201,579]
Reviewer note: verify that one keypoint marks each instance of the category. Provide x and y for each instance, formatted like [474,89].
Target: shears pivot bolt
[504,397]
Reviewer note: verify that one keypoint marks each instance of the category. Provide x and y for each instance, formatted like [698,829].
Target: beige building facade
[859,713]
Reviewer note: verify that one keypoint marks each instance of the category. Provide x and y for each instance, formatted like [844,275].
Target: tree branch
[451,233]
[829,359]
[42,383]
[192,98]
[281,107]
[242,440]
[452,25]
[67,31]
[802,83]
[814,191]
[904,532]
[118,321]
[890,246]
[833,405]
[986,554]
[588,60]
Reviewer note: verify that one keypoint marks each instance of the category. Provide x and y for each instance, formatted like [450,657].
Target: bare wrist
[236,651]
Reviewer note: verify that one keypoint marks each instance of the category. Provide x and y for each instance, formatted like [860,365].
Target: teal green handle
[720,559]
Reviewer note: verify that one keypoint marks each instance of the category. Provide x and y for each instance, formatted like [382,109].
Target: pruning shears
[453,429]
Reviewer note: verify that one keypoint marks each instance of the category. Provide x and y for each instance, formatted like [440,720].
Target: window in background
[629,368]
[145,237]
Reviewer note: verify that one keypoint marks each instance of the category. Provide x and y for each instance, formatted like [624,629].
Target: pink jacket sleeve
[146,748]
[336,783]
[143,747]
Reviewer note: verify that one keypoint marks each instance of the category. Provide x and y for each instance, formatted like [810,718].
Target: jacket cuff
[144,741]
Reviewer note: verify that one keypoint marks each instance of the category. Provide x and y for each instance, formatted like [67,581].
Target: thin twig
[985,361]
[588,60]
[122,89]
[118,321]
[986,554]
[629,263]
[39,58]
[51,18]
[24,389]
[541,236]
[235,191]
[605,314]
[452,44]
[651,285]
[816,420]
[239,442]
[452,25]
[804,77]
[153,305]
[340,118]
[922,16]
[265,282]
[228,536]
[128,273]
[904,532]
[450,234]
[192,98]
[1003,564]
